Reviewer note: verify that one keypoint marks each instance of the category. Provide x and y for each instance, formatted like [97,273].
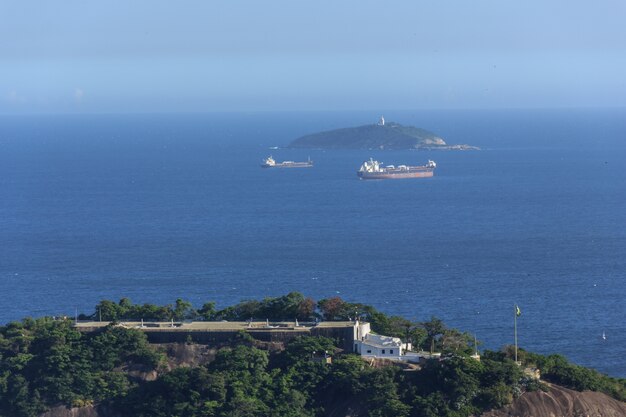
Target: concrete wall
[177,336]
[342,335]
[221,337]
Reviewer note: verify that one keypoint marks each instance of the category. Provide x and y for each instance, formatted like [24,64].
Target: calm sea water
[155,207]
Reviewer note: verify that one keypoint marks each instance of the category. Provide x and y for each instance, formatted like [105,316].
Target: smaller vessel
[374,170]
[603,336]
[270,162]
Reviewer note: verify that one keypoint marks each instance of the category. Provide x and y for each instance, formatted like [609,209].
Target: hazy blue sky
[147,55]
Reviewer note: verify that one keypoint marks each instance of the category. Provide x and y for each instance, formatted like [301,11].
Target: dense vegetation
[556,369]
[431,334]
[389,136]
[46,362]
[373,136]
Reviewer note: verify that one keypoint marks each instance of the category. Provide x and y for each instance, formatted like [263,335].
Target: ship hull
[289,165]
[391,175]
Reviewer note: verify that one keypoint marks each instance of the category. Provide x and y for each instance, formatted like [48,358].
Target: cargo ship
[374,170]
[269,162]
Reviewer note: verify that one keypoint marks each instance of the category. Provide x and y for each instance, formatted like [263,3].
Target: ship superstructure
[270,162]
[374,170]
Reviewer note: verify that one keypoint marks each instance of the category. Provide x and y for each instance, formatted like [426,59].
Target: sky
[249,55]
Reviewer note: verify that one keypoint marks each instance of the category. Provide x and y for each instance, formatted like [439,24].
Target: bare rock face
[191,354]
[436,141]
[562,402]
[382,363]
[140,373]
[186,355]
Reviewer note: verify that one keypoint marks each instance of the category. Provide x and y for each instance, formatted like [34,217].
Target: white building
[378,346]
[370,345]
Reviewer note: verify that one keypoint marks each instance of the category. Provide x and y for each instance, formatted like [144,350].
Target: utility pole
[516,312]
[475,346]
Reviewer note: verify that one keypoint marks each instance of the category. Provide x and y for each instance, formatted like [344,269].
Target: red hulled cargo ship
[374,170]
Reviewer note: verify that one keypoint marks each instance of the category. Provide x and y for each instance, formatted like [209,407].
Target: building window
[369,351]
[383,351]
[391,351]
[356,347]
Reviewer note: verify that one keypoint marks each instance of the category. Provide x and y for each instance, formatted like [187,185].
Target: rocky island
[382,135]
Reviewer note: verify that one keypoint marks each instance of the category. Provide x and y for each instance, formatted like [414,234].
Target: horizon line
[262,111]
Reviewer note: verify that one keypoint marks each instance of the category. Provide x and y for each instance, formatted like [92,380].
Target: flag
[518,312]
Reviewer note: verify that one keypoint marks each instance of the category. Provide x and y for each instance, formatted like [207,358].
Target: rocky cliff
[562,402]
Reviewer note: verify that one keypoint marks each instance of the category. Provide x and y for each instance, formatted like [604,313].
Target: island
[381,135]
[280,356]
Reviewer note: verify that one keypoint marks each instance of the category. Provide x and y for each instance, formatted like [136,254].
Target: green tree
[207,312]
[380,390]
[332,308]
[183,310]
[108,311]
[435,329]
[306,309]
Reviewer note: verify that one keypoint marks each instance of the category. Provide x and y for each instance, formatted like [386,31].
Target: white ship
[270,162]
[374,170]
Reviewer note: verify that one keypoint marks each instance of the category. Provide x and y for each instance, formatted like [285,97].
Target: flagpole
[515,329]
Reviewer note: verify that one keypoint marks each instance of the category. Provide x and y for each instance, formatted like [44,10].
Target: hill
[377,136]
[50,369]
[564,402]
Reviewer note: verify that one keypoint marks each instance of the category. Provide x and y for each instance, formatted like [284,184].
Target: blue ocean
[159,206]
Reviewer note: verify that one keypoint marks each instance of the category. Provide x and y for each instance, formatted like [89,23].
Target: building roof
[381,341]
[217,325]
